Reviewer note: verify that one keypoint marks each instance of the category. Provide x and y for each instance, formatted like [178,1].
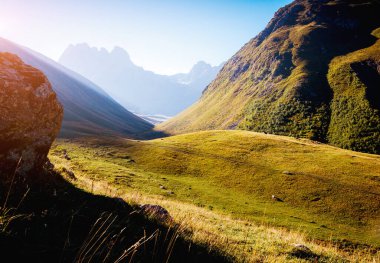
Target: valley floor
[251,196]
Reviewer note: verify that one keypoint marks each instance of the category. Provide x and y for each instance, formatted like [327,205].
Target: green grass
[330,193]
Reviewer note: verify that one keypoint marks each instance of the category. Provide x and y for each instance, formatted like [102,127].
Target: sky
[165,36]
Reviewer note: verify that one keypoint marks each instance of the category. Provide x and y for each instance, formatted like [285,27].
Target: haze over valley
[190,131]
[139,90]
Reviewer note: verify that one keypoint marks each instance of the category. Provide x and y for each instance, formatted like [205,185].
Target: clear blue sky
[165,36]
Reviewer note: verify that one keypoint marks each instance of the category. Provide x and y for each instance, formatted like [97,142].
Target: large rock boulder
[30,116]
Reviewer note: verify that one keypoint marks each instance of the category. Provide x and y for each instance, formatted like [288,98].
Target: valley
[137,89]
[271,156]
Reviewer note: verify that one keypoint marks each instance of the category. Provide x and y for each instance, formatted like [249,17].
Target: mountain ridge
[278,82]
[135,88]
[87,108]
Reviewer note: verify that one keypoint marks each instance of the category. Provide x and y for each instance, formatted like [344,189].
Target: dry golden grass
[242,240]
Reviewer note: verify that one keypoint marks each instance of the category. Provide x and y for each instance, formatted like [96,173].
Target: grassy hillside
[281,83]
[321,192]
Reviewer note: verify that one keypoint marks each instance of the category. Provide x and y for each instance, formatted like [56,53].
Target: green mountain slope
[355,81]
[281,82]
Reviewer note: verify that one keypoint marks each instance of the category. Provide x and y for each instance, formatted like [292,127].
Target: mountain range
[313,72]
[137,89]
[88,110]
[109,192]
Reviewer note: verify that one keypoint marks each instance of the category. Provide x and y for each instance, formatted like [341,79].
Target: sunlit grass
[219,186]
[242,240]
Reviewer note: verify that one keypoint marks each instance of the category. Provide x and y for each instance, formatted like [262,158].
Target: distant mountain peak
[200,66]
[120,53]
[132,86]
[119,50]
[199,73]
[201,63]
[85,47]
[88,110]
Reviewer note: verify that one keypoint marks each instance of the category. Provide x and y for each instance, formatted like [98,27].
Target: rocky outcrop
[30,116]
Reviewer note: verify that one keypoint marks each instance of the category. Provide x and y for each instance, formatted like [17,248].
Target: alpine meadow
[147,131]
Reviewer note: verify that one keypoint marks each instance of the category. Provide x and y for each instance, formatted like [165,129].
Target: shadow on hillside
[154,134]
[369,73]
[47,219]
[150,134]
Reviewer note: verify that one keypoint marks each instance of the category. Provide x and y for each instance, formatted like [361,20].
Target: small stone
[67,157]
[275,198]
[157,212]
[69,173]
[287,172]
[49,166]
[303,252]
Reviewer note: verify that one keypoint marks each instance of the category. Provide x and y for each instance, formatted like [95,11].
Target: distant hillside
[87,108]
[313,72]
[135,88]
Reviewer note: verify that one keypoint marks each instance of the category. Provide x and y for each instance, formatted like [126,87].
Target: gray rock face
[30,116]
